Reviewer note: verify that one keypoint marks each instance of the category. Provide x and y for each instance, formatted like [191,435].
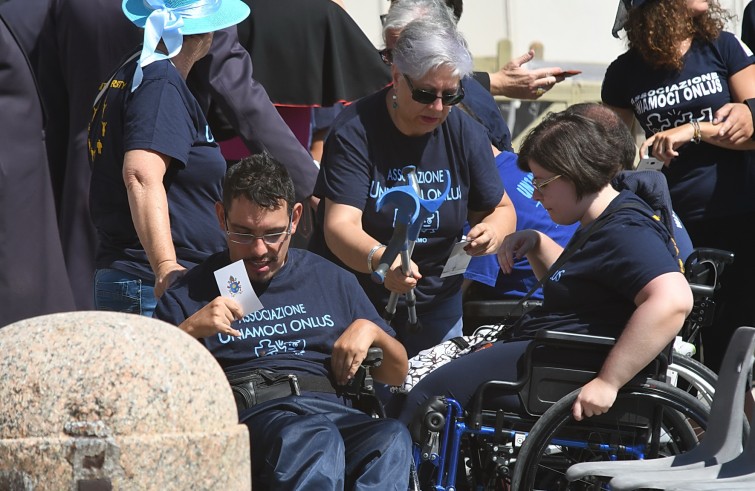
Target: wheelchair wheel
[692,376]
[646,421]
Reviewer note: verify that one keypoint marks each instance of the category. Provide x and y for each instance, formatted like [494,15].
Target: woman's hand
[735,123]
[483,239]
[397,281]
[666,142]
[595,398]
[168,272]
[515,246]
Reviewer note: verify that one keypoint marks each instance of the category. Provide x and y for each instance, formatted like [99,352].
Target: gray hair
[425,45]
[403,12]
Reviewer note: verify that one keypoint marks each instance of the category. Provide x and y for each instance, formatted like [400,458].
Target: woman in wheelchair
[619,276]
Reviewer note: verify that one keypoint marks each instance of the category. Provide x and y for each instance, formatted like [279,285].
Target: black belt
[252,387]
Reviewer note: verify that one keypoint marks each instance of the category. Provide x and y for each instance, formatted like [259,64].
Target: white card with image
[233,282]
[458,260]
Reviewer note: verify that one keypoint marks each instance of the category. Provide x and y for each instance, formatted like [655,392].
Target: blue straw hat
[171,20]
[199,16]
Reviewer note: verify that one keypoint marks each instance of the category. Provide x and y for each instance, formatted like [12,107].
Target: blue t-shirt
[162,116]
[307,305]
[593,292]
[530,214]
[363,157]
[705,180]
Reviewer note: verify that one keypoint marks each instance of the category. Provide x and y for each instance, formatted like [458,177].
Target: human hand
[399,282]
[168,272]
[517,82]
[215,317]
[595,398]
[735,120]
[666,142]
[350,349]
[483,239]
[515,246]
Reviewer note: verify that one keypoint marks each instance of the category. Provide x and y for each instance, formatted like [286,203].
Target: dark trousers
[735,302]
[303,443]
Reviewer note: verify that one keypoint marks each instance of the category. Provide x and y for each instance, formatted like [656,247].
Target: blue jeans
[118,291]
[303,443]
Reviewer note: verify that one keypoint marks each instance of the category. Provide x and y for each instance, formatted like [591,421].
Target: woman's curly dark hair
[657,28]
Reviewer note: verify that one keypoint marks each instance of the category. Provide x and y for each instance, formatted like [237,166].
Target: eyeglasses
[540,185]
[269,239]
[386,55]
[426,97]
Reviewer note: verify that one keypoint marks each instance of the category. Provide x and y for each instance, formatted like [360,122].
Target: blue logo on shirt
[207,134]
[557,275]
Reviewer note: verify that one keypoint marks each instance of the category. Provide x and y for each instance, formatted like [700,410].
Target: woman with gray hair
[413,122]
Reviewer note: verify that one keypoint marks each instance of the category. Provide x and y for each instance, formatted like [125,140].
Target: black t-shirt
[704,180]
[163,116]
[363,158]
[307,305]
[593,292]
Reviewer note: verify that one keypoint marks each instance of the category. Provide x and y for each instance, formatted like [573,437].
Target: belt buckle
[293,381]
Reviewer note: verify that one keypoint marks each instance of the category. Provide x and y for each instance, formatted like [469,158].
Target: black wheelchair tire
[557,416]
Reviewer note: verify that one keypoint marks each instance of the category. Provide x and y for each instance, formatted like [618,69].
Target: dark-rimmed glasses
[269,239]
[426,97]
[541,185]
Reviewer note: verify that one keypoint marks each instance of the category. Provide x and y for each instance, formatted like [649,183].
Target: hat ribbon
[165,23]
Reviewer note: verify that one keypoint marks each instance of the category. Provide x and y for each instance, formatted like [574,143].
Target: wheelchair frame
[494,444]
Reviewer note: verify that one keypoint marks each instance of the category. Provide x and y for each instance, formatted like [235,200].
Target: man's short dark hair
[617,130]
[262,180]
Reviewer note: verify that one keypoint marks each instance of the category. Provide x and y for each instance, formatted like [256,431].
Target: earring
[395,102]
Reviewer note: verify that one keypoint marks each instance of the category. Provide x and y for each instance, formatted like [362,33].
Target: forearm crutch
[411,213]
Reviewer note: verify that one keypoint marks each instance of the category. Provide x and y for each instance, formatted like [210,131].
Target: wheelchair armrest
[374,357]
[561,337]
[499,308]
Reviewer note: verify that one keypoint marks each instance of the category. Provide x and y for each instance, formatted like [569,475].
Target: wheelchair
[478,448]
[531,448]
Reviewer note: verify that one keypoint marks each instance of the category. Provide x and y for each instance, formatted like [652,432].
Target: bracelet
[696,136]
[372,253]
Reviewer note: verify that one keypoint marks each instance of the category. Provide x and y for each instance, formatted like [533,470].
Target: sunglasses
[541,185]
[386,55]
[426,97]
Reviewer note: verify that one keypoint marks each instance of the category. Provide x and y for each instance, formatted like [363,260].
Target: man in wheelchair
[291,362]
[620,276]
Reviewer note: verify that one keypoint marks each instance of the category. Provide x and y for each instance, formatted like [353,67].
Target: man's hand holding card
[237,298]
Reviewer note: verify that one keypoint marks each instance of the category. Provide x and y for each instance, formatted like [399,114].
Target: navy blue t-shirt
[530,214]
[307,306]
[482,107]
[163,116]
[594,291]
[363,157]
[704,180]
